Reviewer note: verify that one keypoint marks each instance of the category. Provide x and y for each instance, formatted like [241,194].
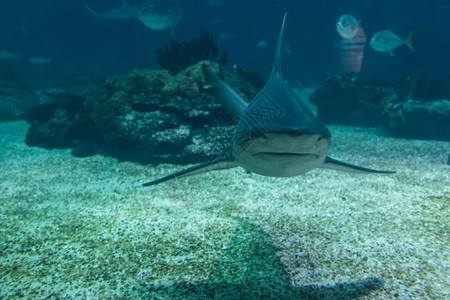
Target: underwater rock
[61,120]
[16,97]
[188,82]
[151,116]
[61,124]
[347,100]
[419,108]
[424,89]
[147,116]
[407,109]
[418,119]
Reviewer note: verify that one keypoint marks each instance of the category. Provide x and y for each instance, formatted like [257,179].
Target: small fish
[161,14]
[225,36]
[126,11]
[39,60]
[347,26]
[5,54]
[387,41]
[262,44]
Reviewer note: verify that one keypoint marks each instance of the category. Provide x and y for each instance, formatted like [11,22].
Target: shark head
[278,135]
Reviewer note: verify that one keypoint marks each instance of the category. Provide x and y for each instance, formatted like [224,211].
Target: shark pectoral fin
[224,162]
[337,165]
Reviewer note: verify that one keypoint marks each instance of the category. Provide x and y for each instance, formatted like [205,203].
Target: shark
[277,135]
[125,11]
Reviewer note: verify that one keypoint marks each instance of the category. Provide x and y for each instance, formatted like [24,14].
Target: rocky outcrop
[418,118]
[346,100]
[411,108]
[148,116]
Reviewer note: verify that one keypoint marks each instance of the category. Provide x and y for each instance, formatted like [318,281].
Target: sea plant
[178,56]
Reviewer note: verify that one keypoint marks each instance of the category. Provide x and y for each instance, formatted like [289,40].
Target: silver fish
[5,54]
[39,60]
[387,41]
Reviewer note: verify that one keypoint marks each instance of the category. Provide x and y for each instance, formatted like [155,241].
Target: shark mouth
[286,154]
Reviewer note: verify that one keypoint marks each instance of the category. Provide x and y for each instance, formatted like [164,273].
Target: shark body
[126,11]
[277,134]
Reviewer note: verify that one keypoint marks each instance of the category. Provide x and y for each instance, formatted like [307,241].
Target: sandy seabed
[86,228]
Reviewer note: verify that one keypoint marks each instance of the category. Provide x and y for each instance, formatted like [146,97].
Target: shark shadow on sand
[252,259]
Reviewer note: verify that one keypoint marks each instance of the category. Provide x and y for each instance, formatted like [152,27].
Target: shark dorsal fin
[276,70]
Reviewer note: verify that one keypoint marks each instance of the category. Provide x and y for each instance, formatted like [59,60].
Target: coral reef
[61,124]
[149,116]
[61,120]
[178,56]
[413,108]
[417,118]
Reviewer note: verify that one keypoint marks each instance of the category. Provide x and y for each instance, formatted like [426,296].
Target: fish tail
[408,42]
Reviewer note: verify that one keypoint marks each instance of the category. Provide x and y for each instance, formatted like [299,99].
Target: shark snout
[288,144]
[282,154]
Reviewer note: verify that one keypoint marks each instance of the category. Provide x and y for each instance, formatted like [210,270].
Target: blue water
[85,228]
[65,33]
